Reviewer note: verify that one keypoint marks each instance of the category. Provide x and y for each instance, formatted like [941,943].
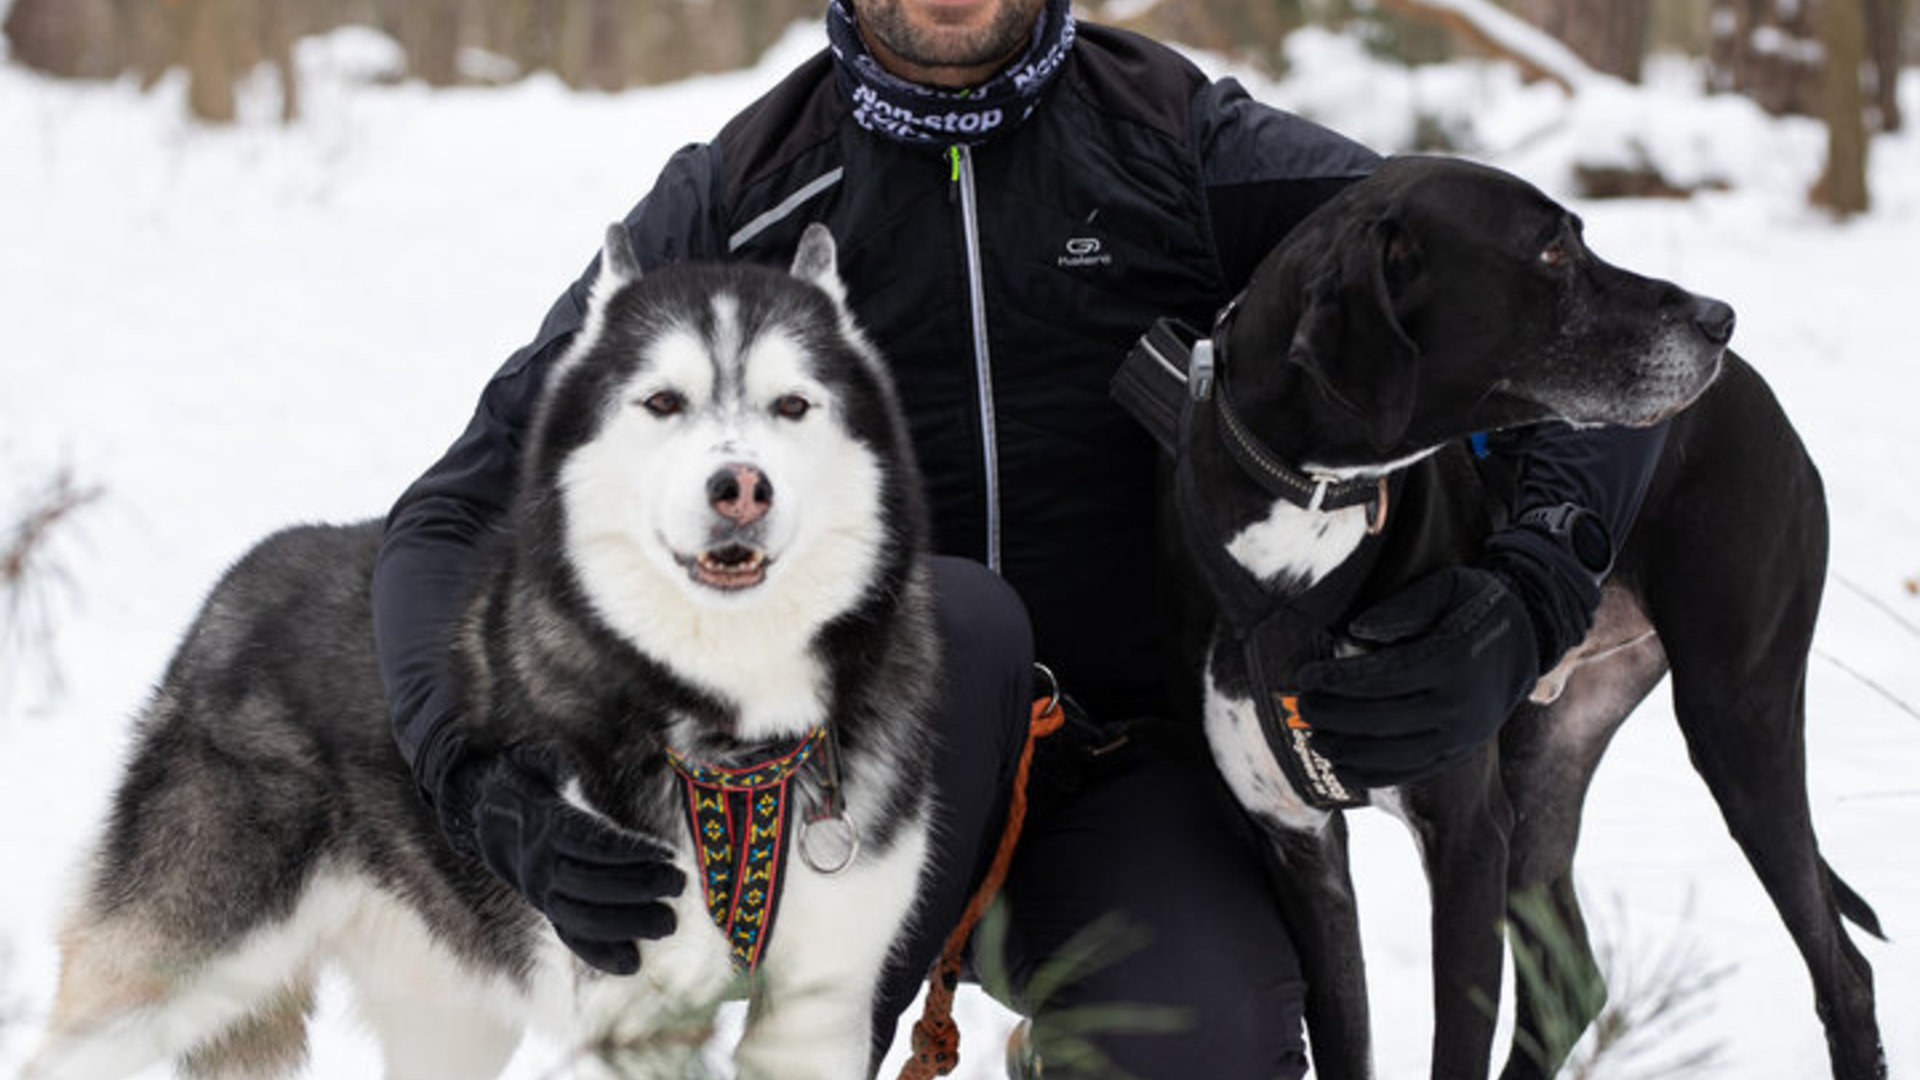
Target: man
[1015,199]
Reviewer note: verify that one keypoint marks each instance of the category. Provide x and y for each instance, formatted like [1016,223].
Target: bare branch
[27,568]
[1538,54]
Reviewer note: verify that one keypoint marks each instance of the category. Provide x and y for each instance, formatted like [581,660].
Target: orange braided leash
[936,1039]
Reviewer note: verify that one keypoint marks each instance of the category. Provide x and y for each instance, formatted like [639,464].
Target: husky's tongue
[734,566]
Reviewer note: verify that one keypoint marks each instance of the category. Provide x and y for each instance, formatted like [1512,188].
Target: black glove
[1450,656]
[599,886]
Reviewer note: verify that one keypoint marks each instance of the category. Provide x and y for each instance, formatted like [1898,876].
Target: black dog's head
[1436,298]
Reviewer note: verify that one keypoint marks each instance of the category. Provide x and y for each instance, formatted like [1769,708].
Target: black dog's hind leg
[1462,820]
[1737,554]
[1548,757]
[1745,731]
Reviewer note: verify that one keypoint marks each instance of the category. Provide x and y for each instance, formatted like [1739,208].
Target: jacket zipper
[962,183]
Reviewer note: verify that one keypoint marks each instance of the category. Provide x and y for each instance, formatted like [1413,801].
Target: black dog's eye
[791,406]
[664,402]
[1556,254]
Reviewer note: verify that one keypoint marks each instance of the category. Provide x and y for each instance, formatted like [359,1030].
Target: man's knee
[986,645]
[982,622]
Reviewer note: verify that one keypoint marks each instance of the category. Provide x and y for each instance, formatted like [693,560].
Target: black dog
[1320,465]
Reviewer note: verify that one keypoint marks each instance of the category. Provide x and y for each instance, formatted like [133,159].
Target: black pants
[1151,840]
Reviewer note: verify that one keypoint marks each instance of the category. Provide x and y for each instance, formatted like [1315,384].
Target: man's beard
[937,47]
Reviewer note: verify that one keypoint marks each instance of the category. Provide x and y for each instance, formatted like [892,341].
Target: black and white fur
[1433,300]
[266,826]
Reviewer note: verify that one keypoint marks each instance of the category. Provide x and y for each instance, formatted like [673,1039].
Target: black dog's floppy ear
[1348,338]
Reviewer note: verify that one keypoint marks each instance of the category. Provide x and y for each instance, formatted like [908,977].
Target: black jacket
[1004,284]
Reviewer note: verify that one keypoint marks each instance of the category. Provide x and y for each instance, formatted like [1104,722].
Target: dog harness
[739,817]
[1174,383]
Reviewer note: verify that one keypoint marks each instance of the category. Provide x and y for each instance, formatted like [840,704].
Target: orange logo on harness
[1290,711]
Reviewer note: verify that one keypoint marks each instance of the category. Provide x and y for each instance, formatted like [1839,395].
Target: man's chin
[934,36]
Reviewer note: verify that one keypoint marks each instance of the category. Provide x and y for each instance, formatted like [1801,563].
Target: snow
[231,330]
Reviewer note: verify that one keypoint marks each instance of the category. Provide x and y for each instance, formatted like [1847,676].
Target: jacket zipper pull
[953,174]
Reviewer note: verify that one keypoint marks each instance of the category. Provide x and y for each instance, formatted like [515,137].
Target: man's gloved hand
[1450,656]
[599,886]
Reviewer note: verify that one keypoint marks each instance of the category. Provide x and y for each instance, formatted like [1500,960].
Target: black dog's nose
[1714,319]
[740,493]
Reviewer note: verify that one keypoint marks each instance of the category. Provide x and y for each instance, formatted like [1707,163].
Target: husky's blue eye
[664,403]
[791,406]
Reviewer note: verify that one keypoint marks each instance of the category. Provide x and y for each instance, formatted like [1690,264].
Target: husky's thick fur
[267,826]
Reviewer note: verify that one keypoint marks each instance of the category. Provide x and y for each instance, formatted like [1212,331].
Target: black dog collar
[1172,364]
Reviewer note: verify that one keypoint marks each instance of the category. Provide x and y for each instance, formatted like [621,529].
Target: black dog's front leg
[1462,820]
[1316,897]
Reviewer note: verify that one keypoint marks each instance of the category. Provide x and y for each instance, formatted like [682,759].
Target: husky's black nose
[740,493]
[1714,319]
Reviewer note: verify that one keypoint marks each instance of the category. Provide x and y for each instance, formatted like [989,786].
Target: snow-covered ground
[228,331]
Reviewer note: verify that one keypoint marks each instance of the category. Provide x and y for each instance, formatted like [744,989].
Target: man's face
[946,42]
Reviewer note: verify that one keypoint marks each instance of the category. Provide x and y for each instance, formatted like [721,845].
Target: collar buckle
[1200,370]
[1321,484]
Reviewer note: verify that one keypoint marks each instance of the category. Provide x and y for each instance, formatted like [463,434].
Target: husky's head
[722,442]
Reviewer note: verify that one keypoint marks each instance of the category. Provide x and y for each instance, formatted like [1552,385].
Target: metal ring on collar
[1042,671]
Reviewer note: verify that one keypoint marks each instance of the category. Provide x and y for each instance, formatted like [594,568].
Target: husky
[635,620]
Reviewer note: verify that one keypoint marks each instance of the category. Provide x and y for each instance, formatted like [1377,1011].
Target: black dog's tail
[1852,907]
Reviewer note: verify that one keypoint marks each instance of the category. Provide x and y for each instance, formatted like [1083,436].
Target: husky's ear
[1349,338]
[617,262]
[816,261]
[617,257]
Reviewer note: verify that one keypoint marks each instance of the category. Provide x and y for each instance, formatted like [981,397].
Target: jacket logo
[1084,251]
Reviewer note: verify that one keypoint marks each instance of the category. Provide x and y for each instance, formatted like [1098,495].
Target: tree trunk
[1886,32]
[1844,187]
[212,68]
[1255,28]
[513,29]
[1610,35]
[572,23]
[278,31]
[73,39]
[152,36]
[1769,50]
[429,31]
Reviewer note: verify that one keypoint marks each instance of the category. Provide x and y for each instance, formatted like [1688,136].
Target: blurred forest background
[1776,51]
[1834,60]
[1837,60]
